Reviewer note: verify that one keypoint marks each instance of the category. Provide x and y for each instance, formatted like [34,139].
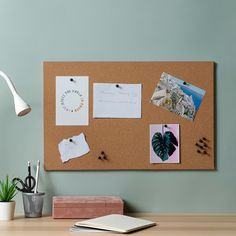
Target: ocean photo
[197,98]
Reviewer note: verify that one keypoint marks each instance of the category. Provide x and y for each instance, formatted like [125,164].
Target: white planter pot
[7,210]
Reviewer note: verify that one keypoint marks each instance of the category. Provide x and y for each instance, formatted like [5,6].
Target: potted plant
[7,205]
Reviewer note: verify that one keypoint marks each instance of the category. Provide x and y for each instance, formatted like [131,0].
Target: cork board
[126,141]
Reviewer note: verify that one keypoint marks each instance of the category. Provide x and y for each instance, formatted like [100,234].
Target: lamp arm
[9,83]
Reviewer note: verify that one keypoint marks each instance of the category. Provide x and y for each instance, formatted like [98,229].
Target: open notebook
[117,223]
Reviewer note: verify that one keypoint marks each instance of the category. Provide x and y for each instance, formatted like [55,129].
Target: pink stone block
[85,207]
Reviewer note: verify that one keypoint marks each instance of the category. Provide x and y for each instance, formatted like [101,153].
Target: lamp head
[21,107]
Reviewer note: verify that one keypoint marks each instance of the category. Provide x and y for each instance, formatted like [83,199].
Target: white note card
[72,100]
[73,147]
[111,100]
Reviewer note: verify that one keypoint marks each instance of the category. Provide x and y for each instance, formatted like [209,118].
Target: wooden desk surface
[168,224]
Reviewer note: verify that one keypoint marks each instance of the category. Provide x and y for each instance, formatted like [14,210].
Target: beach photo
[178,96]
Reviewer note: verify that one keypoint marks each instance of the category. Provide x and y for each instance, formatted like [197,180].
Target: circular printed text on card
[72,100]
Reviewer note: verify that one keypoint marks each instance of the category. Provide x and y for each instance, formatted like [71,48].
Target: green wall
[107,30]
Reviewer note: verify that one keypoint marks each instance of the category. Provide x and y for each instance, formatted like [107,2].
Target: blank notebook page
[118,223]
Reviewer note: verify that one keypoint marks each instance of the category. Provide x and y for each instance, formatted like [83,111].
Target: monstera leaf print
[164,146]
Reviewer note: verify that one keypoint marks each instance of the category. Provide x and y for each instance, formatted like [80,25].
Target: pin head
[117,85]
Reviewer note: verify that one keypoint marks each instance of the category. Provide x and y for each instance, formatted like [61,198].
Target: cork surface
[126,141]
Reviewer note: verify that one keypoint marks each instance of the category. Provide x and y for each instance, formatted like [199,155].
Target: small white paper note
[73,147]
[72,100]
[111,100]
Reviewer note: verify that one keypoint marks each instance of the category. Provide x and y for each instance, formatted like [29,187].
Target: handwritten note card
[72,100]
[111,100]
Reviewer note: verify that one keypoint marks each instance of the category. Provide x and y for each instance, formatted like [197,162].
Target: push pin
[167,127]
[103,155]
[117,85]
[72,80]
[203,140]
[203,146]
[203,152]
[184,83]
[71,140]
[197,144]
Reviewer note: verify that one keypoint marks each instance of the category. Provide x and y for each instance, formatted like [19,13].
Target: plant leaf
[164,146]
[7,190]
[171,137]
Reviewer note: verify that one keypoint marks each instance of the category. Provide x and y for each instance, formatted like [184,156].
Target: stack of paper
[116,223]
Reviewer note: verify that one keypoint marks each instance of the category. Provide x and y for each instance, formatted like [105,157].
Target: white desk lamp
[21,107]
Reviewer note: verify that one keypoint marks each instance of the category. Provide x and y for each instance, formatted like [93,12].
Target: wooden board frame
[126,141]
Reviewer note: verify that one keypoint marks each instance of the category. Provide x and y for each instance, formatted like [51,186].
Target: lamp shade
[21,107]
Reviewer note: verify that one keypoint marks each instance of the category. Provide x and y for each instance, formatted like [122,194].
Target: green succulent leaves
[164,146]
[7,190]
